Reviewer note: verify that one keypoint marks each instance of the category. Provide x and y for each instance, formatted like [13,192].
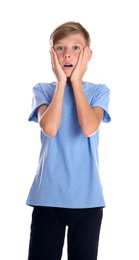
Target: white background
[25,27]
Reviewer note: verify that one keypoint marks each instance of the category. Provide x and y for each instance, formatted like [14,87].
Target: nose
[67,55]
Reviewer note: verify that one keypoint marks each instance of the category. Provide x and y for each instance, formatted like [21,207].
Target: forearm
[89,120]
[51,118]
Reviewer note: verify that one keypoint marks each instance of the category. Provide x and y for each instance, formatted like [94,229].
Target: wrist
[76,85]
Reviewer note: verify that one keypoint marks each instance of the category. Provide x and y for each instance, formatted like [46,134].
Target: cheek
[59,55]
[78,55]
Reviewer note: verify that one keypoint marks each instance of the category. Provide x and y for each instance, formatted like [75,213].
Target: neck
[68,80]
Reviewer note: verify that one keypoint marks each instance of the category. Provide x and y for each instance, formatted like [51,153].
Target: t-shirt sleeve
[40,97]
[101,99]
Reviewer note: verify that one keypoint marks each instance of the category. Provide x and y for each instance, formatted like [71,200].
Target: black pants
[48,233]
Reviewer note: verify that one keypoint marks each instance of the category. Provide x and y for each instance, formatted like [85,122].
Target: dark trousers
[48,233]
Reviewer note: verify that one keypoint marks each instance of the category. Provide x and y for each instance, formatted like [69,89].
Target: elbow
[49,131]
[89,131]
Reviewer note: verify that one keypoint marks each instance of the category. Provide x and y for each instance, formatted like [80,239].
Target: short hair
[67,29]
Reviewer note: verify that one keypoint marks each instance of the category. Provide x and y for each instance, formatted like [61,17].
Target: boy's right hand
[56,67]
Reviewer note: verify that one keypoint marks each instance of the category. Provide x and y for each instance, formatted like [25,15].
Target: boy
[66,190]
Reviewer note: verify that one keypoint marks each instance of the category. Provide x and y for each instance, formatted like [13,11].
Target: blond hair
[67,29]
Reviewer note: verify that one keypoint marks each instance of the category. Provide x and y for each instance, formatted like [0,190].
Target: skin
[73,51]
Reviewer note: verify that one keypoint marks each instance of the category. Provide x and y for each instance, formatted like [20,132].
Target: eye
[76,47]
[59,48]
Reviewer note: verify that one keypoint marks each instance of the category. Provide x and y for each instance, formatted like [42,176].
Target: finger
[52,56]
[55,58]
[80,58]
[86,53]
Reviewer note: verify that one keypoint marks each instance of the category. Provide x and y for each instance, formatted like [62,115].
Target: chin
[68,75]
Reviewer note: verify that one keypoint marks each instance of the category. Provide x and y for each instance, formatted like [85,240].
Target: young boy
[67,191]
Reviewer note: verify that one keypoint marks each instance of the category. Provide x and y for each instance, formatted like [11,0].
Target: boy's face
[68,50]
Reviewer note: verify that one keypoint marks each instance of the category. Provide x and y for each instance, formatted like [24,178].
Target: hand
[81,66]
[56,67]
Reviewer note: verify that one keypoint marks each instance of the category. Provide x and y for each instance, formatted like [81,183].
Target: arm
[89,118]
[50,117]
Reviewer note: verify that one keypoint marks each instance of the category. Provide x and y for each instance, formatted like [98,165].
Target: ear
[90,54]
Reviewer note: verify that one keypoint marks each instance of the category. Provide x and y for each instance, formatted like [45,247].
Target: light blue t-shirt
[68,168]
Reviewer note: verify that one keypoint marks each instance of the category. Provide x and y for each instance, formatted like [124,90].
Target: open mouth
[68,65]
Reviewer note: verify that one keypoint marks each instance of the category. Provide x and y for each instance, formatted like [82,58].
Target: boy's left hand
[81,66]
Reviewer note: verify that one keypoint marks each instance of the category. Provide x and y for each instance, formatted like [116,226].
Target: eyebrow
[64,43]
